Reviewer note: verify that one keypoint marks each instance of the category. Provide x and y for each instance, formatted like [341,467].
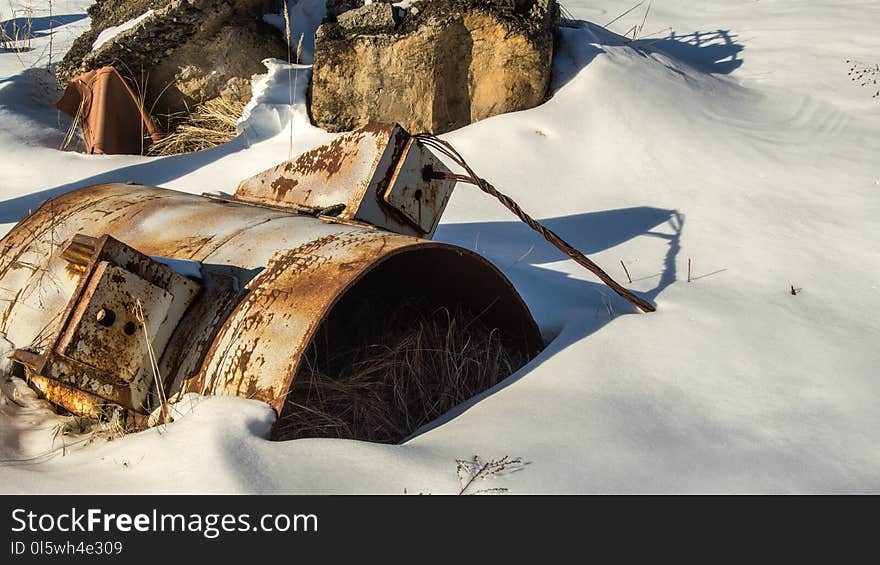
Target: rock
[372,18]
[452,63]
[185,53]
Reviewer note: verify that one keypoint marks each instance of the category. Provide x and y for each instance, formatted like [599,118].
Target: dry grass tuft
[73,430]
[471,471]
[402,368]
[212,123]
[16,32]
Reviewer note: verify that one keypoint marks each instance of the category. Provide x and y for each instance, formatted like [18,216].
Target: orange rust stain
[282,185]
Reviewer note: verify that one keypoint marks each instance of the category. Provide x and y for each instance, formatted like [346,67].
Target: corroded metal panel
[415,189]
[340,172]
[123,309]
[374,175]
[71,398]
[104,330]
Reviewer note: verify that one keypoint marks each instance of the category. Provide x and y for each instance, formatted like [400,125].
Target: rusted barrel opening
[420,333]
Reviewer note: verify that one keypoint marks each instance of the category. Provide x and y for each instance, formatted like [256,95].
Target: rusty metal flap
[415,189]
[337,173]
[103,330]
[112,116]
[375,175]
[125,304]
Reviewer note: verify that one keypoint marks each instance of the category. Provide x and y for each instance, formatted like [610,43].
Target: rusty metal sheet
[338,173]
[104,331]
[375,173]
[101,344]
[113,119]
[77,401]
[415,192]
[222,290]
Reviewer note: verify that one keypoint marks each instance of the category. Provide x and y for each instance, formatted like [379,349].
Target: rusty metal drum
[255,286]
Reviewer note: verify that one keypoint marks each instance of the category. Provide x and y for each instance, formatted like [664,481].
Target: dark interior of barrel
[418,335]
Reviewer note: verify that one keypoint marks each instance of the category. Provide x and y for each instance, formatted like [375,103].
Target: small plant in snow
[865,75]
[472,471]
[15,33]
[85,430]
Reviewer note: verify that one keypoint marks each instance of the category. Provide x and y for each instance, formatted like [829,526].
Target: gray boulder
[375,18]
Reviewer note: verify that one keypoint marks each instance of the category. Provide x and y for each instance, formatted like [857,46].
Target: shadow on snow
[713,52]
[575,308]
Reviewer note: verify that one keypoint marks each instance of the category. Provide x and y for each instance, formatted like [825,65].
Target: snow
[744,149]
[27,436]
[185,267]
[305,17]
[112,31]
[270,110]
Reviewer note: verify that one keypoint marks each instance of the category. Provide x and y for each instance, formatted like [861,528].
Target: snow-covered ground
[731,138]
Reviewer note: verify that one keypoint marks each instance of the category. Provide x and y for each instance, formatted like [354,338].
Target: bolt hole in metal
[417,336]
[428,173]
[105,317]
[129,328]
